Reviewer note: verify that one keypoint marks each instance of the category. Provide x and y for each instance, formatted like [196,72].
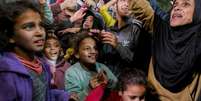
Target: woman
[174,68]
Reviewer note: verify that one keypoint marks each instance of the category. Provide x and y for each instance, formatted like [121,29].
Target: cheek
[189,16]
[46,51]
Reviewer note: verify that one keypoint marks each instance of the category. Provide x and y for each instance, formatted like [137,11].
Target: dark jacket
[124,55]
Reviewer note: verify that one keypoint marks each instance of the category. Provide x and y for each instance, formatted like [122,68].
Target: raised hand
[41,2]
[78,14]
[98,79]
[109,38]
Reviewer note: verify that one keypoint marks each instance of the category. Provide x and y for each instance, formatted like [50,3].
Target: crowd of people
[100,50]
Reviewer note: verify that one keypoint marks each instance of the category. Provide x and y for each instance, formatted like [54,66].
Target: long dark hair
[9,11]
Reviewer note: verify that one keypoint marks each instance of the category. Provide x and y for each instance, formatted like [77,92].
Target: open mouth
[176,15]
[39,42]
[92,57]
[54,53]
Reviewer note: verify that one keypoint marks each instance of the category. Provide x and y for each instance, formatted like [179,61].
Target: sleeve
[158,10]
[47,14]
[72,85]
[141,10]
[55,8]
[8,89]
[127,52]
[109,20]
[59,95]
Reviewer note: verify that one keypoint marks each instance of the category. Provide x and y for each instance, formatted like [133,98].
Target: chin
[53,58]
[173,24]
[92,62]
[38,50]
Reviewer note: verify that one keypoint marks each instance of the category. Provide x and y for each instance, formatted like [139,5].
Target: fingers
[94,82]
[109,38]
[74,96]
[42,1]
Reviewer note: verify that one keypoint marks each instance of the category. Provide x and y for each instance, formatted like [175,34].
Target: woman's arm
[141,10]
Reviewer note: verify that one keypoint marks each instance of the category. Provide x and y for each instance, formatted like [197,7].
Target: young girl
[87,74]
[23,76]
[52,52]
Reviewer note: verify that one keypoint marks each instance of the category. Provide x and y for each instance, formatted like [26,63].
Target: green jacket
[77,79]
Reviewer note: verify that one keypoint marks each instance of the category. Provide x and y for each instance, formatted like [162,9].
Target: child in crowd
[58,65]
[129,45]
[132,86]
[87,74]
[23,76]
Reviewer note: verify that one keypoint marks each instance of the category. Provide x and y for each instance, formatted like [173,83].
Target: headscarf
[177,51]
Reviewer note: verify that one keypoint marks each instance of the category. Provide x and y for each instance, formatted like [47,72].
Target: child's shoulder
[74,67]
[9,63]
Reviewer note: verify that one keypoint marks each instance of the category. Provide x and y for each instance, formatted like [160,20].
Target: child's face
[122,7]
[133,93]
[52,49]
[87,53]
[88,23]
[29,34]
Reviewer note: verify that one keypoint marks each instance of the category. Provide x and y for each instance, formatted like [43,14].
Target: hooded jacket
[16,83]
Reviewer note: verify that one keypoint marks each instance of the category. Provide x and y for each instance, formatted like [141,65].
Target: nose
[93,51]
[126,4]
[176,8]
[40,31]
[52,48]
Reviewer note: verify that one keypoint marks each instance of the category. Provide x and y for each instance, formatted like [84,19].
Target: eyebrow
[187,0]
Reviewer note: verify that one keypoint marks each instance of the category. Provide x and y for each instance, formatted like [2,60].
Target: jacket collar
[9,63]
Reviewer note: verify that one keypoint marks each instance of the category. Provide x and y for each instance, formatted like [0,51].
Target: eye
[28,26]
[47,46]
[86,48]
[185,4]
[175,5]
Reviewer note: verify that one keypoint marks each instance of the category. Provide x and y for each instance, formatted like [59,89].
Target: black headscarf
[177,51]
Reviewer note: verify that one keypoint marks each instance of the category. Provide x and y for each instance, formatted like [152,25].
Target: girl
[23,76]
[52,53]
[87,74]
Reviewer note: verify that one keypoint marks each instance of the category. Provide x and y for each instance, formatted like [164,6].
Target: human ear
[11,40]
[77,55]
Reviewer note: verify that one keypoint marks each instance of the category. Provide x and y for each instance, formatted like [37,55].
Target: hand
[68,4]
[42,2]
[74,97]
[109,38]
[90,3]
[69,30]
[78,14]
[98,79]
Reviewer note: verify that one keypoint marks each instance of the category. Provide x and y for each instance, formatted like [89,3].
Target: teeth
[177,15]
